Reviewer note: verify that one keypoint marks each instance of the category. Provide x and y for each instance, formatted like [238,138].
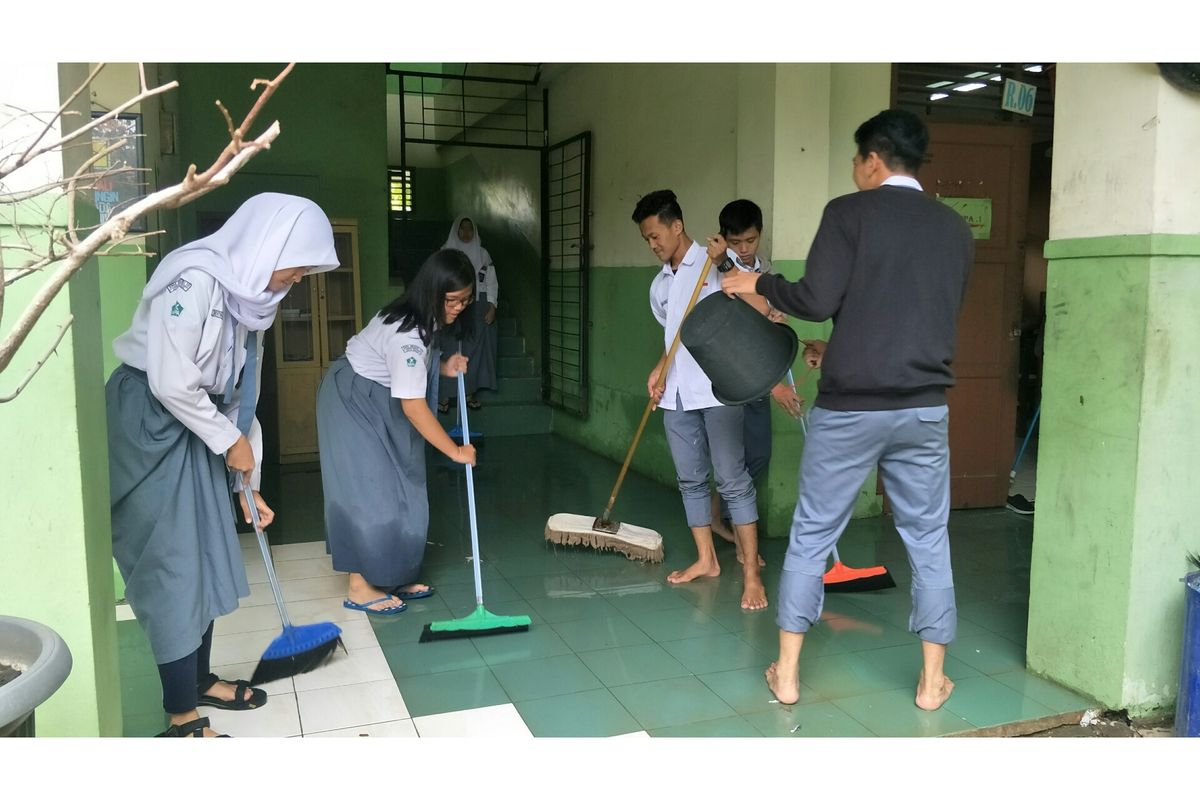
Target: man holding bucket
[889,265]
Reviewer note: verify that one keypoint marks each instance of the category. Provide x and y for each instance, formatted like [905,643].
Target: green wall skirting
[1153,244]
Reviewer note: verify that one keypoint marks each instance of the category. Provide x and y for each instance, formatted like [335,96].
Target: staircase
[516,407]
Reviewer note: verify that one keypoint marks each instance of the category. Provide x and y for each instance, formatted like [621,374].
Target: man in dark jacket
[889,265]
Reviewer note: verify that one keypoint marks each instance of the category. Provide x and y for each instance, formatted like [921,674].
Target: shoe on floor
[258,697]
[379,612]
[1018,503]
[193,729]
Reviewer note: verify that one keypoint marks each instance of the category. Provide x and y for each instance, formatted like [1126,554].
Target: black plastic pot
[743,353]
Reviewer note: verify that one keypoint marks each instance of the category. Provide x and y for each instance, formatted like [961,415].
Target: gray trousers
[911,447]
[711,436]
[756,435]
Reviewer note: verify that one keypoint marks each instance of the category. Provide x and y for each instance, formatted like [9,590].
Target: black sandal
[258,697]
[193,729]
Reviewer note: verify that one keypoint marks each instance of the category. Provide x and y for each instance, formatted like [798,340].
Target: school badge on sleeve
[176,310]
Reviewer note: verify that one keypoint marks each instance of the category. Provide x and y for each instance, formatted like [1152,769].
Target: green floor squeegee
[480,622]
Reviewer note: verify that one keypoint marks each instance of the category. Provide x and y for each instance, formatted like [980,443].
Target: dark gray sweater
[890,267]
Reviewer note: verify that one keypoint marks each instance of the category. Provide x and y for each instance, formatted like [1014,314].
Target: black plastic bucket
[743,353]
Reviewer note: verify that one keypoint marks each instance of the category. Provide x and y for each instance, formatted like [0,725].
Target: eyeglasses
[451,303]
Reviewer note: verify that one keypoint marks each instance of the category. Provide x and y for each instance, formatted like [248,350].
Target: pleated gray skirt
[172,520]
[373,476]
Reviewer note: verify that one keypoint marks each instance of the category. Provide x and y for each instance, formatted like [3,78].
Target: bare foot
[721,529]
[701,569]
[754,596]
[761,563]
[786,689]
[931,697]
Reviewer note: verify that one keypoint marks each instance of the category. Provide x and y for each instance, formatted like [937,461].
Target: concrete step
[512,345]
[514,390]
[516,366]
[505,420]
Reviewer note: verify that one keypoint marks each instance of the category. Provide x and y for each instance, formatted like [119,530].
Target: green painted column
[1117,464]
[55,533]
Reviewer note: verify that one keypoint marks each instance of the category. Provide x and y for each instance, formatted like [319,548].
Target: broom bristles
[605,541]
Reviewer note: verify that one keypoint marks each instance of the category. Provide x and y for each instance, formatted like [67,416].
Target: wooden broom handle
[662,382]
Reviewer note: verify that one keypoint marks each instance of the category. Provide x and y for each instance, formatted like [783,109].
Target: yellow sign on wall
[977,211]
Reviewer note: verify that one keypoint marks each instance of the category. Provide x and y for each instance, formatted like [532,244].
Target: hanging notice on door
[977,211]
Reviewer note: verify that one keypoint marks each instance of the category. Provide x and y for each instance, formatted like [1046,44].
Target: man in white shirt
[704,436]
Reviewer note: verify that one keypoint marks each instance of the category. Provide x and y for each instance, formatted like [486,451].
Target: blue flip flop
[414,595]
[379,612]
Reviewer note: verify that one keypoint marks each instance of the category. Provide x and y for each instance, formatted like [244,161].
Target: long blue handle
[1012,473]
[466,430]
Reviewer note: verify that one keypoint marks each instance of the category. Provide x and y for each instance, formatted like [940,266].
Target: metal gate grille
[567,188]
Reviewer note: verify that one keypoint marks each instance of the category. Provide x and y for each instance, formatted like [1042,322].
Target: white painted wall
[1119,130]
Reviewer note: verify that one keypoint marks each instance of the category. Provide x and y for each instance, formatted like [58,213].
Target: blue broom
[300,648]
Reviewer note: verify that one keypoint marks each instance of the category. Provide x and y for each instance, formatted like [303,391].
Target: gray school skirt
[172,520]
[373,476]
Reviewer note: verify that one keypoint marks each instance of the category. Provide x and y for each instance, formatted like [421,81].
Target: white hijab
[268,232]
[473,249]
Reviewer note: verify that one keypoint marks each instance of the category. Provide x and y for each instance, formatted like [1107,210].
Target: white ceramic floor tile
[260,594]
[249,618]
[243,671]
[500,721]
[292,552]
[306,568]
[344,668]
[238,648]
[256,572]
[124,612]
[358,633]
[313,588]
[350,706]
[279,717]
[325,609]
[400,729]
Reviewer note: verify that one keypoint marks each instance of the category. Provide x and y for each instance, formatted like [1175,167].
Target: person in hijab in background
[181,418]
[482,344]
[374,415]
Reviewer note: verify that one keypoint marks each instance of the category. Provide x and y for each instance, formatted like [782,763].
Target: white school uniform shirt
[399,361]
[188,344]
[669,294]
[486,282]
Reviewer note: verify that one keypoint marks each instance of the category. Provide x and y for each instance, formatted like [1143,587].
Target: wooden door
[984,162]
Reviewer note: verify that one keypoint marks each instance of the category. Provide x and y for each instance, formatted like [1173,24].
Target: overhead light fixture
[1034,68]
[975,75]
[938,96]
[969,87]
[938,84]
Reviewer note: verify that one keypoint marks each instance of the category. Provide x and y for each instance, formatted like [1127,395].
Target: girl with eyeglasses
[374,415]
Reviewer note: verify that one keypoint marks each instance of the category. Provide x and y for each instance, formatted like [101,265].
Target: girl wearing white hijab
[180,414]
[482,345]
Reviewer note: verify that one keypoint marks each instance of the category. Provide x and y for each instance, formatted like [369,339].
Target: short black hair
[898,136]
[740,216]
[661,204]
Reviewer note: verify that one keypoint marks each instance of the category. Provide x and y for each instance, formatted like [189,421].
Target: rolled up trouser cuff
[934,617]
[799,600]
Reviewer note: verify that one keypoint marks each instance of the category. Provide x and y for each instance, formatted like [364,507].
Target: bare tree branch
[115,230]
[62,331]
[25,157]
[30,154]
